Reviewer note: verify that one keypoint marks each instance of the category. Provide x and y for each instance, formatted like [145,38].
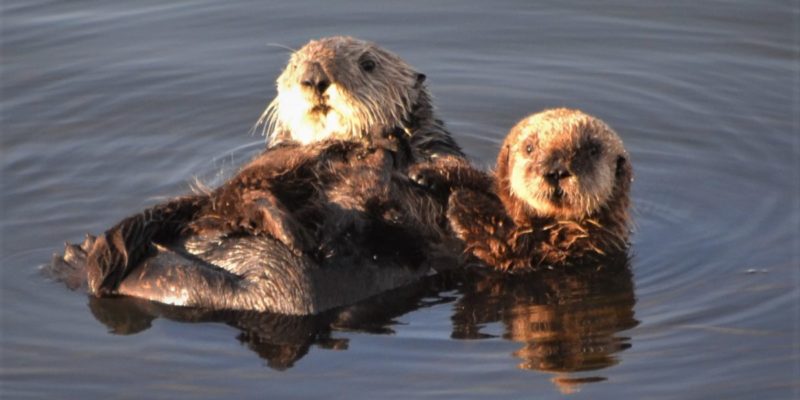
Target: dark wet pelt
[108,107]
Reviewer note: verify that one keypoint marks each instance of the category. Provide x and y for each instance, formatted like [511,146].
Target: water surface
[108,107]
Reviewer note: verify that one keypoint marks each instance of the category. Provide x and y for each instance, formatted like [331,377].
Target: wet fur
[326,198]
[266,238]
[288,200]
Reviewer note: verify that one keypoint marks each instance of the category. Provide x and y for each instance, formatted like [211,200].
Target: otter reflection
[281,340]
[566,322]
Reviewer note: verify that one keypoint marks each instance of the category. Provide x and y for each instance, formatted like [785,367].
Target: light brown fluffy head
[563,164]
[344,88]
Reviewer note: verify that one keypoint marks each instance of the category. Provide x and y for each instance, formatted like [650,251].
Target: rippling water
[108,107]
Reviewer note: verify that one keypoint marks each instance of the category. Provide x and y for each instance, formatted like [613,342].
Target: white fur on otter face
[370,90]
[581,148]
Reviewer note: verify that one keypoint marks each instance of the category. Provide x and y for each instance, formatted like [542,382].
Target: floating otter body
[334,88]
[299,230]
[561,194]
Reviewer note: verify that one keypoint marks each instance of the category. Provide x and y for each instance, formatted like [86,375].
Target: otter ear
[420,80]
[623,168]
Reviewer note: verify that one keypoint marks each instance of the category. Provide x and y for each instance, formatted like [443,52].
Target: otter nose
[314,78]
[555,175]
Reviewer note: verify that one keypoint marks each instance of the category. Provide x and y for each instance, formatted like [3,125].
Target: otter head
[344,88]
[563,164]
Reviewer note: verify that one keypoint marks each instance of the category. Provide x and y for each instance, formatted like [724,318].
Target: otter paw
[428,178]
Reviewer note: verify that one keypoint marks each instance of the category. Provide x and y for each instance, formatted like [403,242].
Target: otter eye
[367,65]
[529,149]
[594,150]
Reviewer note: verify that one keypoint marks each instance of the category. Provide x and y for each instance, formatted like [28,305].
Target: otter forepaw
[429,178]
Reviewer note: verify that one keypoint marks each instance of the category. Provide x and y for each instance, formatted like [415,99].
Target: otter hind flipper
[70,267]
[119,250]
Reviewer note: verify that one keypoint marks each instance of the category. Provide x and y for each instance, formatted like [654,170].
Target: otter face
[341,87]
[563,163]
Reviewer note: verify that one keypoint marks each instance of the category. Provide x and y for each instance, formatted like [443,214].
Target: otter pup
[344,88]
[561,193]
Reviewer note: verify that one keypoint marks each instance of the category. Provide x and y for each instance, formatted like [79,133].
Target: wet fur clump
[345,88]
[560,194]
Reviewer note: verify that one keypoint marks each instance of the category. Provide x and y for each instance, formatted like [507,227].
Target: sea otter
[560,194]
[345,88]
[336,88]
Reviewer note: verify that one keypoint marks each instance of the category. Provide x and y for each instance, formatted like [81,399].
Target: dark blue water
[108,107]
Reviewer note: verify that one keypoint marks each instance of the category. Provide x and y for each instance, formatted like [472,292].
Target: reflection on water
[281,340]
[565,322]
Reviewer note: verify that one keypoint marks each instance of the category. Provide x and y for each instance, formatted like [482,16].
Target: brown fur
[310,197]
[532,217]
[344,88]
[327,199]
[318,201]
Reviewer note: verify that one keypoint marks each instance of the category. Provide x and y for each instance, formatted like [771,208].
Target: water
[108,107]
